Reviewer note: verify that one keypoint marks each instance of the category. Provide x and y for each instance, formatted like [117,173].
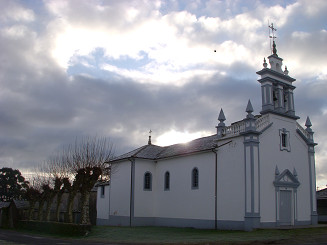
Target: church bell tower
[276,85]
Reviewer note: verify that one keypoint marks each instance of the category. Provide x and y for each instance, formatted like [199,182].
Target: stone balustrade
[302,130]
[239,127]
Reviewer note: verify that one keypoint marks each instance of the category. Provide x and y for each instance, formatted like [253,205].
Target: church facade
[258,172]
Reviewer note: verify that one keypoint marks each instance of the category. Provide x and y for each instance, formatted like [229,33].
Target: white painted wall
[181,201]
[103,202]
[120,189]
[144,199]
[231,180]
[270,156]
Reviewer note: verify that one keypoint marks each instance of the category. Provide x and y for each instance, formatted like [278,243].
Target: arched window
[195,178]
[147,181]
[167,181]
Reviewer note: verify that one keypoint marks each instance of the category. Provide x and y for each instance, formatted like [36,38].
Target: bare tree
[32,195]
[88,159]
[46,196]
[41,183]
[89,179]
[58,169]
[76,169]
[72,189]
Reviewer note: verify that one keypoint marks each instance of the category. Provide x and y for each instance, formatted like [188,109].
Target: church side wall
[120,194]
[271,156]
[103,205]
[183,205]
[143,199]
[231,204]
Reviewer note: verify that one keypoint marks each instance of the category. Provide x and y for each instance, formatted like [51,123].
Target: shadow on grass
[161,235]
[164,235]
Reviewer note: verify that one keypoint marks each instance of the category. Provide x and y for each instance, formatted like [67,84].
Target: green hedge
[57,228]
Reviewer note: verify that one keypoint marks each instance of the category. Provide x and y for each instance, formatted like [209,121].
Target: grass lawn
[2,242]
[162,235]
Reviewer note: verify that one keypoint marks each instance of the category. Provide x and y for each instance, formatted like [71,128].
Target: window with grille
[167,181]
[195,178]
[148,181]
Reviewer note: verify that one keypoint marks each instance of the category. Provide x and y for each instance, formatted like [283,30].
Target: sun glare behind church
[174,137]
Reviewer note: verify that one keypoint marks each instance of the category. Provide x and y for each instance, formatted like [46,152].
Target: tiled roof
[154,152]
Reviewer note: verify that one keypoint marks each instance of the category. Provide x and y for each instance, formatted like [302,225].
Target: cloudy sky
[120,68]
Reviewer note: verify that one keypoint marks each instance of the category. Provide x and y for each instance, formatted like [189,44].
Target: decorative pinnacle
[286,71]
[294,173]
[276,171]
[264,63]
[274,48]
[221,118]
[308,123]
[249,108]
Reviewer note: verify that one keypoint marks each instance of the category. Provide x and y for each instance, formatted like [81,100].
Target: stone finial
[286,71]
[221,124]
[264,63]
[309,129]
[221,118]
[274,49]
[294,173]
[276,171]
[308,123]
[249,110]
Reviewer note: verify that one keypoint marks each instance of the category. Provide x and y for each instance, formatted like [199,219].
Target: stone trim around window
[285,143]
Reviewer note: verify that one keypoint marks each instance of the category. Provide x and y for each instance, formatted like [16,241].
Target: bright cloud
[174,137]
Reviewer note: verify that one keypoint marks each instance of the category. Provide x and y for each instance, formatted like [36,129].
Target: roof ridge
[144,147]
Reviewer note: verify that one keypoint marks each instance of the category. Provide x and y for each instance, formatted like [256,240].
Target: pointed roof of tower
[308,123]
[221,117]
[249,108]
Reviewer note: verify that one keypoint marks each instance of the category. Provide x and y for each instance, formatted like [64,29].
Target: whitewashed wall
[181,201]
[231,180]
[271,155]
[120,190]
[144,199]
[103,203]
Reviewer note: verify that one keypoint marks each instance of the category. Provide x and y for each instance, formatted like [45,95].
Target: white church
[258,172]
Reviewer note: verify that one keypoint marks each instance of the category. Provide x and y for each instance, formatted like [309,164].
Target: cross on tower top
[272,28]
[272,36]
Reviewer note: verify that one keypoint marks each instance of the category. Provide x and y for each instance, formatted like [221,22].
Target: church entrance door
[285,208]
